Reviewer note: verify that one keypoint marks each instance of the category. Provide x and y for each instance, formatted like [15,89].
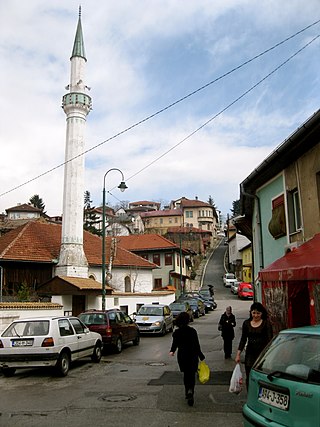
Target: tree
[37,202]
[90,219]
[211,202]
[235,208]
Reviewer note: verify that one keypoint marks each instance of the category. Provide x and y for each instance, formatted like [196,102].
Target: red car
[245,291]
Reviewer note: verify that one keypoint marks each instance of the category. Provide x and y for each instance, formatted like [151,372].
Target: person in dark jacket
[186,340]
[226,325]
[256,333]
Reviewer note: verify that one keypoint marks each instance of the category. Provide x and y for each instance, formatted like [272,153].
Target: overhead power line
[177,102]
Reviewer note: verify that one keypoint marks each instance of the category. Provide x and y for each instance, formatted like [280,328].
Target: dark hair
[182,319]
[259,307]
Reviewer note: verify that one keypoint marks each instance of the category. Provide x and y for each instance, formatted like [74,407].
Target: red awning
[302,263]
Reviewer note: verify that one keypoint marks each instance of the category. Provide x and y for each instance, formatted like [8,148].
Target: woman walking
[256,333]
[226,324]
[186,340]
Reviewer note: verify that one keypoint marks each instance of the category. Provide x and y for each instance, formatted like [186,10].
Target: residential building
[158,222]
[246,255]
[280,207]
[173,261]
[28,256]
[236,243]
[197,214]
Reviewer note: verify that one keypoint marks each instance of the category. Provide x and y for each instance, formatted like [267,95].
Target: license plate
[274,398]
[22,343]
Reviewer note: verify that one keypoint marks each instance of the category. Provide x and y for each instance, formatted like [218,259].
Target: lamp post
[122,186]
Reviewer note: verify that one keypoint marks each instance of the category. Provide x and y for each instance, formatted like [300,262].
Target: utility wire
[224,109]
[172,105]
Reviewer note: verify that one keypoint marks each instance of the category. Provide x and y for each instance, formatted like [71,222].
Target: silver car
[154,318]
[47,341]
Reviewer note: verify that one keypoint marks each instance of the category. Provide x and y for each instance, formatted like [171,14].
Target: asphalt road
[141,387]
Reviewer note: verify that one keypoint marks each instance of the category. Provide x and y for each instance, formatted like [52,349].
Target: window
[78,326]
[127,284]
[167,259]
[189,214]
[294,214]
[145,256]
[156,259]
[161,220]
[277,224]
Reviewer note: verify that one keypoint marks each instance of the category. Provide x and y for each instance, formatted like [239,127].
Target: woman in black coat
[186,340]
[256,334]
[226,324]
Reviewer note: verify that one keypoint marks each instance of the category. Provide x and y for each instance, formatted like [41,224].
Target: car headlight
[157,323]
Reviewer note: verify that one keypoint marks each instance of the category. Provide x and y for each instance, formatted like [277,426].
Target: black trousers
[227,347]
[189,380]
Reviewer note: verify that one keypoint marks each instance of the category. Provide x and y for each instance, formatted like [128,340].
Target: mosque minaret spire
[76,105]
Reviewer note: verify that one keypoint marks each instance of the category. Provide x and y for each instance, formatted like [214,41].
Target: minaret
[77,105]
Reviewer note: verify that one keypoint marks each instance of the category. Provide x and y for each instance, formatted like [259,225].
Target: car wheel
[136,341]
[63,364]
[8,372]
[97,353]
[118,347]
[196,314]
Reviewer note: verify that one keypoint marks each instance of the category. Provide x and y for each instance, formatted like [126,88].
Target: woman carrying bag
[186,340]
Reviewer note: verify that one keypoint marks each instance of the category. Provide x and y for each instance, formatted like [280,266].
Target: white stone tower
[77,105]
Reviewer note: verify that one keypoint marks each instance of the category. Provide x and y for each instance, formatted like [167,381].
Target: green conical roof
[78,46]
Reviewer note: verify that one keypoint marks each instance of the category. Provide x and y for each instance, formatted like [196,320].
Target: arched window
[127,284]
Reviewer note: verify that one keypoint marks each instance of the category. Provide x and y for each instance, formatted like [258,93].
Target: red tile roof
[23,208]
[39,241]
[186,203]
[139,242]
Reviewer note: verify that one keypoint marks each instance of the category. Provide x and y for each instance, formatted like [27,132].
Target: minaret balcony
[76,99]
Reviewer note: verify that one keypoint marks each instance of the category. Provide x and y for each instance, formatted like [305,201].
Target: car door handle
[79,337]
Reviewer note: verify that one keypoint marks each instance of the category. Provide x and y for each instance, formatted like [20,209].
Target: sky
[229,112]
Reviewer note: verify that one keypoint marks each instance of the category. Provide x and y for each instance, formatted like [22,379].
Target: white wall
[8,315]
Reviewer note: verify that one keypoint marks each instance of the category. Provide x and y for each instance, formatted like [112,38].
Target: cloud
[142,56]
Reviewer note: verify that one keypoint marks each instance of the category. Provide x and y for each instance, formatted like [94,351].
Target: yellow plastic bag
[203,372]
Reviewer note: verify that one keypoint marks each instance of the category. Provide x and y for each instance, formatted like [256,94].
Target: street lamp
[122,186]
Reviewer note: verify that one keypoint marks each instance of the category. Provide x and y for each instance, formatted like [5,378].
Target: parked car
[245,291]
[234,287]
[155,319]
[284,383]
[115,327]
[178,307]
[197,305]
[206,292]
[228,279]
[47,341]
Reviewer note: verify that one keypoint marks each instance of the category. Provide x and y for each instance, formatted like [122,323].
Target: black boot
[189,396]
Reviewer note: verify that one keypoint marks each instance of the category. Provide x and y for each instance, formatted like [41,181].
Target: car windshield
[230,276]
[150,311]
[27,328]
[178,307]
[292,356]
[246,289]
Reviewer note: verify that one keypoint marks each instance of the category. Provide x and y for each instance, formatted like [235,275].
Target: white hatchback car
[47,341]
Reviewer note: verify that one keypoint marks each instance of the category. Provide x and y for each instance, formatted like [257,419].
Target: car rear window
[177,307]
[27,328]
[93,318]
[293,355]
